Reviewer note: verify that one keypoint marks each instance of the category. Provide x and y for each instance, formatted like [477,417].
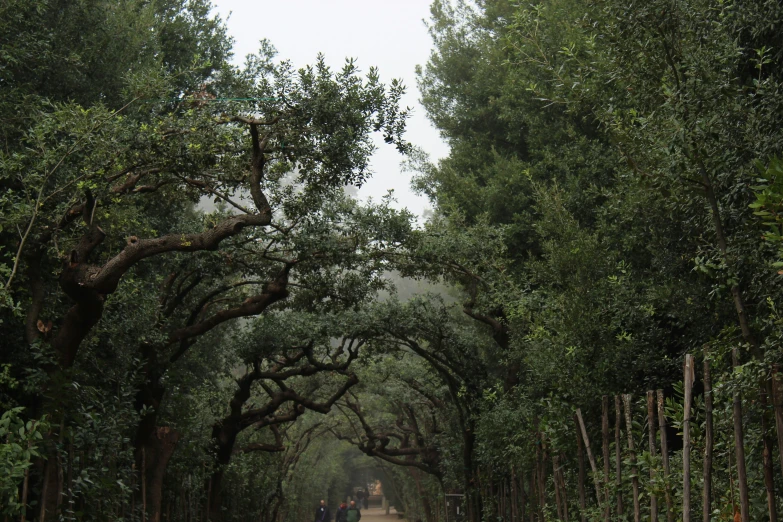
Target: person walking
[342,513]
[353,514]
[322,513]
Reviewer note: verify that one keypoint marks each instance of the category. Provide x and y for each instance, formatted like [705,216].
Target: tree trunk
[472,492]
[777,401]
[688,378]
[558,500]
[534,510]
[665,456]
[618,456]
[739,447]
[605,447]
[580,455]
[769,476]
[708,441]
[541,478]
[157,453]
[637,508]
[563,488]
[651,429]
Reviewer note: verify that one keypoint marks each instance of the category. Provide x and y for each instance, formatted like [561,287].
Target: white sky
[388,35]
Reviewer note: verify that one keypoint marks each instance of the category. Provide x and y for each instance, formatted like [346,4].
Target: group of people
[345,513]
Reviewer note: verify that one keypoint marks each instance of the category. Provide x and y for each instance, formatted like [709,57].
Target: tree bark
[157,453]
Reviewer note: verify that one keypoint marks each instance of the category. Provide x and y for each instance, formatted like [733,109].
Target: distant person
[360,498]
[342,513]
[353,514]
[322,513]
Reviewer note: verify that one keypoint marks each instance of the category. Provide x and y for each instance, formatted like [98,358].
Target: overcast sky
[389,35]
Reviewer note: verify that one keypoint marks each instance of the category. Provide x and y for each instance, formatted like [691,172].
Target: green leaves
[19,445]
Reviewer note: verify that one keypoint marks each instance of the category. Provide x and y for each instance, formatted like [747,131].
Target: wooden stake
[618,456]
[651,429]
[637,508]
[605,437]
[589,455]
[739,447]
[580,456]
[708,440]
[688,378]
[665,456]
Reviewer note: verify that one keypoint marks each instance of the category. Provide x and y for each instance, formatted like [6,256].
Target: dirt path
[379,515]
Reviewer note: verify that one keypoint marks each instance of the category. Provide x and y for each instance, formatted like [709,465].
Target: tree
[304,136]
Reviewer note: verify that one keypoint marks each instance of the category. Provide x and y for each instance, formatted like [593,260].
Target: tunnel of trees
[198,322]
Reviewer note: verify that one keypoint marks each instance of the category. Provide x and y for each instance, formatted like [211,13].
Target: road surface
[379,515]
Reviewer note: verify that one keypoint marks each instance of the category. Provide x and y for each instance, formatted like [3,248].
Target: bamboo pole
[605,447]
[665,456]
[708,440]
[618,456]
[589,455]
[651,429]
[637,509]
[739,447]
[688,378]
[580,456]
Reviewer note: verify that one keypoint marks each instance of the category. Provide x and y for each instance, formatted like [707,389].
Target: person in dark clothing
[353,514]
[322,513]
[342,513]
